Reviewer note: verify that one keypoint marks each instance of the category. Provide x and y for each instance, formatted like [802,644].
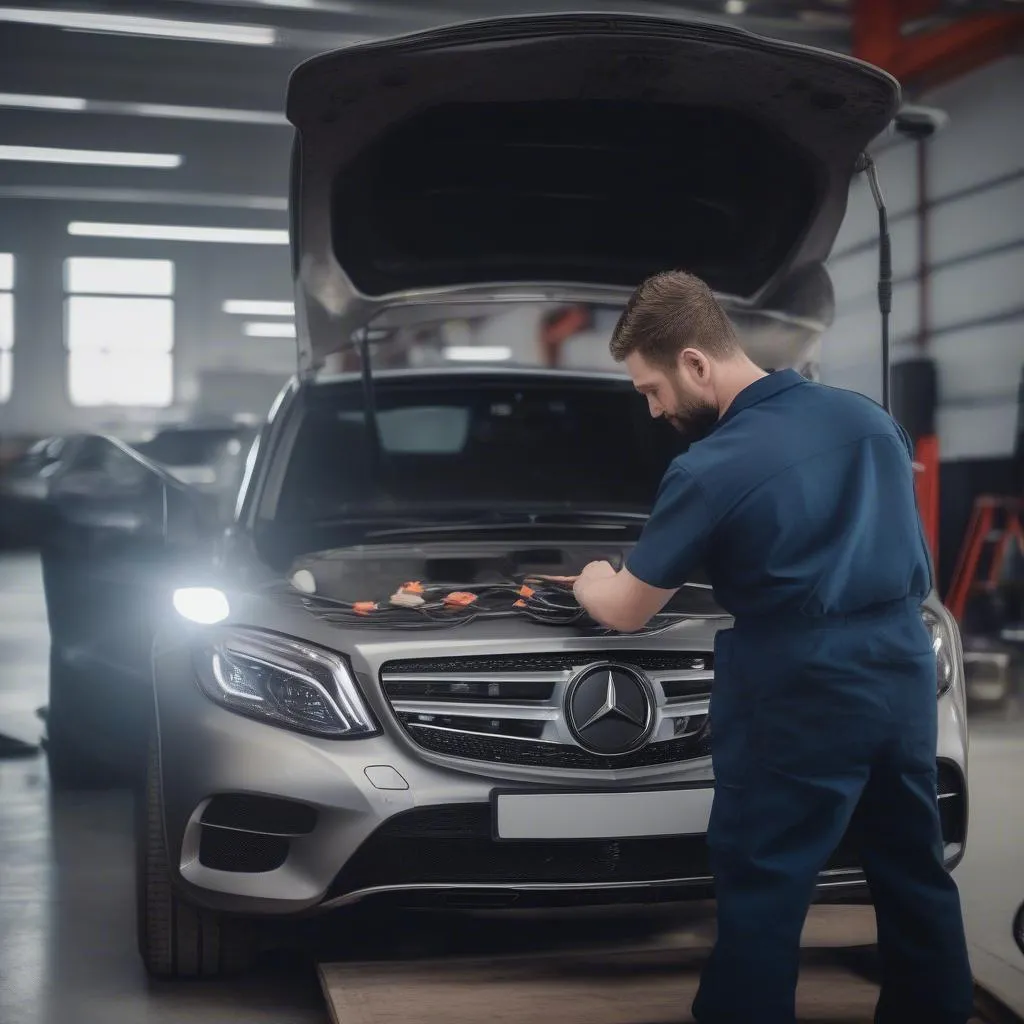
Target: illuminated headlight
[942,645]
[283,682]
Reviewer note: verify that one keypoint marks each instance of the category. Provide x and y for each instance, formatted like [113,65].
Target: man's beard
[694,418]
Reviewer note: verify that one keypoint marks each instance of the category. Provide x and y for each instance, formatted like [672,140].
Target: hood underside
[569,150]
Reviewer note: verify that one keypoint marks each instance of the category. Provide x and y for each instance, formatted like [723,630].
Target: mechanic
[798,499]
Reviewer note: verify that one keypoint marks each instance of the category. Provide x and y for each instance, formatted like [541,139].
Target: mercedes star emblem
[610,710]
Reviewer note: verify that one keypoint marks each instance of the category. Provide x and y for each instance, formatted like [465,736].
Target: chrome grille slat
[430,700]
[661,676]
[523,712]
[484,735]
[691,708]
[475,677]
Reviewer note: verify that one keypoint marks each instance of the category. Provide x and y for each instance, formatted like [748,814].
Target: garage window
[119,331]
[6,325]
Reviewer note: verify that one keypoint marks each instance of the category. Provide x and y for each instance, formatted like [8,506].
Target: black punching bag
[915,395]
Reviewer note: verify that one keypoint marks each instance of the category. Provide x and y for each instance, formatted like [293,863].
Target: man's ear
[695,363]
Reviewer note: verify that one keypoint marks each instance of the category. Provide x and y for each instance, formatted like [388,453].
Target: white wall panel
[981,363]
[856,276]
[981,288]
[984,137]
[979,221]
[977,432]
[979,366]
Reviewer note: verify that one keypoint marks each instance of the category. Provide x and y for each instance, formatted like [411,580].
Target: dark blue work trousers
[811,726]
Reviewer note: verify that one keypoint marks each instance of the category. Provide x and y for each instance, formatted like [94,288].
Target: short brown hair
[669,312]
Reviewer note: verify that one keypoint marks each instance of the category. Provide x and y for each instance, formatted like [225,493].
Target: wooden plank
[647,983]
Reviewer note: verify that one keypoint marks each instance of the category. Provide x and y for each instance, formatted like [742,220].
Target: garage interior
[147,294]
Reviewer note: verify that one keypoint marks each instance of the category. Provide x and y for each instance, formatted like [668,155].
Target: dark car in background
[24,489]
[103,476]
[209,458]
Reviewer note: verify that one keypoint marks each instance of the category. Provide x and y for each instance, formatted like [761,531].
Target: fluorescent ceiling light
[89,157]
[29,102]
[735,6]
[148,196]
[178,233]
[235,115]
[269,330]
[478,353]
[119,24]
[244,307]
[75,104]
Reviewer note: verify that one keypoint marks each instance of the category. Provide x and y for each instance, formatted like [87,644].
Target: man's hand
[592,570]
[618,600]
[597,571]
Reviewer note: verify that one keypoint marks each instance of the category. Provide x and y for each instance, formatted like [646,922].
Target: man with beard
[799,501]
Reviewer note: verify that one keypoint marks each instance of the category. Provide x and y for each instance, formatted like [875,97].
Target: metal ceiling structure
[194,89]
[204,80]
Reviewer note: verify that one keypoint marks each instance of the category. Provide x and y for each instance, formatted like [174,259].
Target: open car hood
[568,153]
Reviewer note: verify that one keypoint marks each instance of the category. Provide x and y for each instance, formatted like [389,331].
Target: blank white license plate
[665,812]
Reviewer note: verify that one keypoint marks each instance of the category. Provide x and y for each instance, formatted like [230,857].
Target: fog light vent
[267,815]
[243,852]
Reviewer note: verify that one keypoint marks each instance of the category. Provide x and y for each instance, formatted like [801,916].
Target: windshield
[475,436]
[474,443]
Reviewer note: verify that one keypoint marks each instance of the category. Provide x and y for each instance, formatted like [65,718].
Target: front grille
[558,755]
[454,845]
[509,709]
[555,662]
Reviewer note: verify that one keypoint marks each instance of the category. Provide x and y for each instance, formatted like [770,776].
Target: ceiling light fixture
[269,330]
[478,353]
[245,307]
[118,24]
[735,6]
[26,101]
[178,233]
[89,157]
[235,115]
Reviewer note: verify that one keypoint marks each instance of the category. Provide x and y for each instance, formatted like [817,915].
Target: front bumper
[261,820]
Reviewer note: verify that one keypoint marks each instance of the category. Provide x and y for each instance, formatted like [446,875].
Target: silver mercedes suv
[454,195]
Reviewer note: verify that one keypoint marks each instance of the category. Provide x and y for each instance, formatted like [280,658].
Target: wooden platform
[646,983]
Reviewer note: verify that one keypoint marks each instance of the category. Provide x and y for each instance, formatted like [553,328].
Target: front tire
[176,940]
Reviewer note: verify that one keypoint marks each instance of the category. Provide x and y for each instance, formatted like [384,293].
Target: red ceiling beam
[928,56]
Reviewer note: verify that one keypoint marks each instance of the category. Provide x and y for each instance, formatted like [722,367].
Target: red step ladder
[995,524]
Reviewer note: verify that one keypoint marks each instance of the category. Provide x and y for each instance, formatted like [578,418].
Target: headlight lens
[942,645]
[284,682]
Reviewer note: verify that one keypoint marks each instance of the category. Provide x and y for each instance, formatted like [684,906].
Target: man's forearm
[601,600]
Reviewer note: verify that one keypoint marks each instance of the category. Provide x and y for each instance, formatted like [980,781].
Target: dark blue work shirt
[800,504]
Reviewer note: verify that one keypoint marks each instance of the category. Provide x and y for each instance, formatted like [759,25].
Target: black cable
[542,601]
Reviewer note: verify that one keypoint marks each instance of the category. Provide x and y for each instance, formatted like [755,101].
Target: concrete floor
[67,908]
